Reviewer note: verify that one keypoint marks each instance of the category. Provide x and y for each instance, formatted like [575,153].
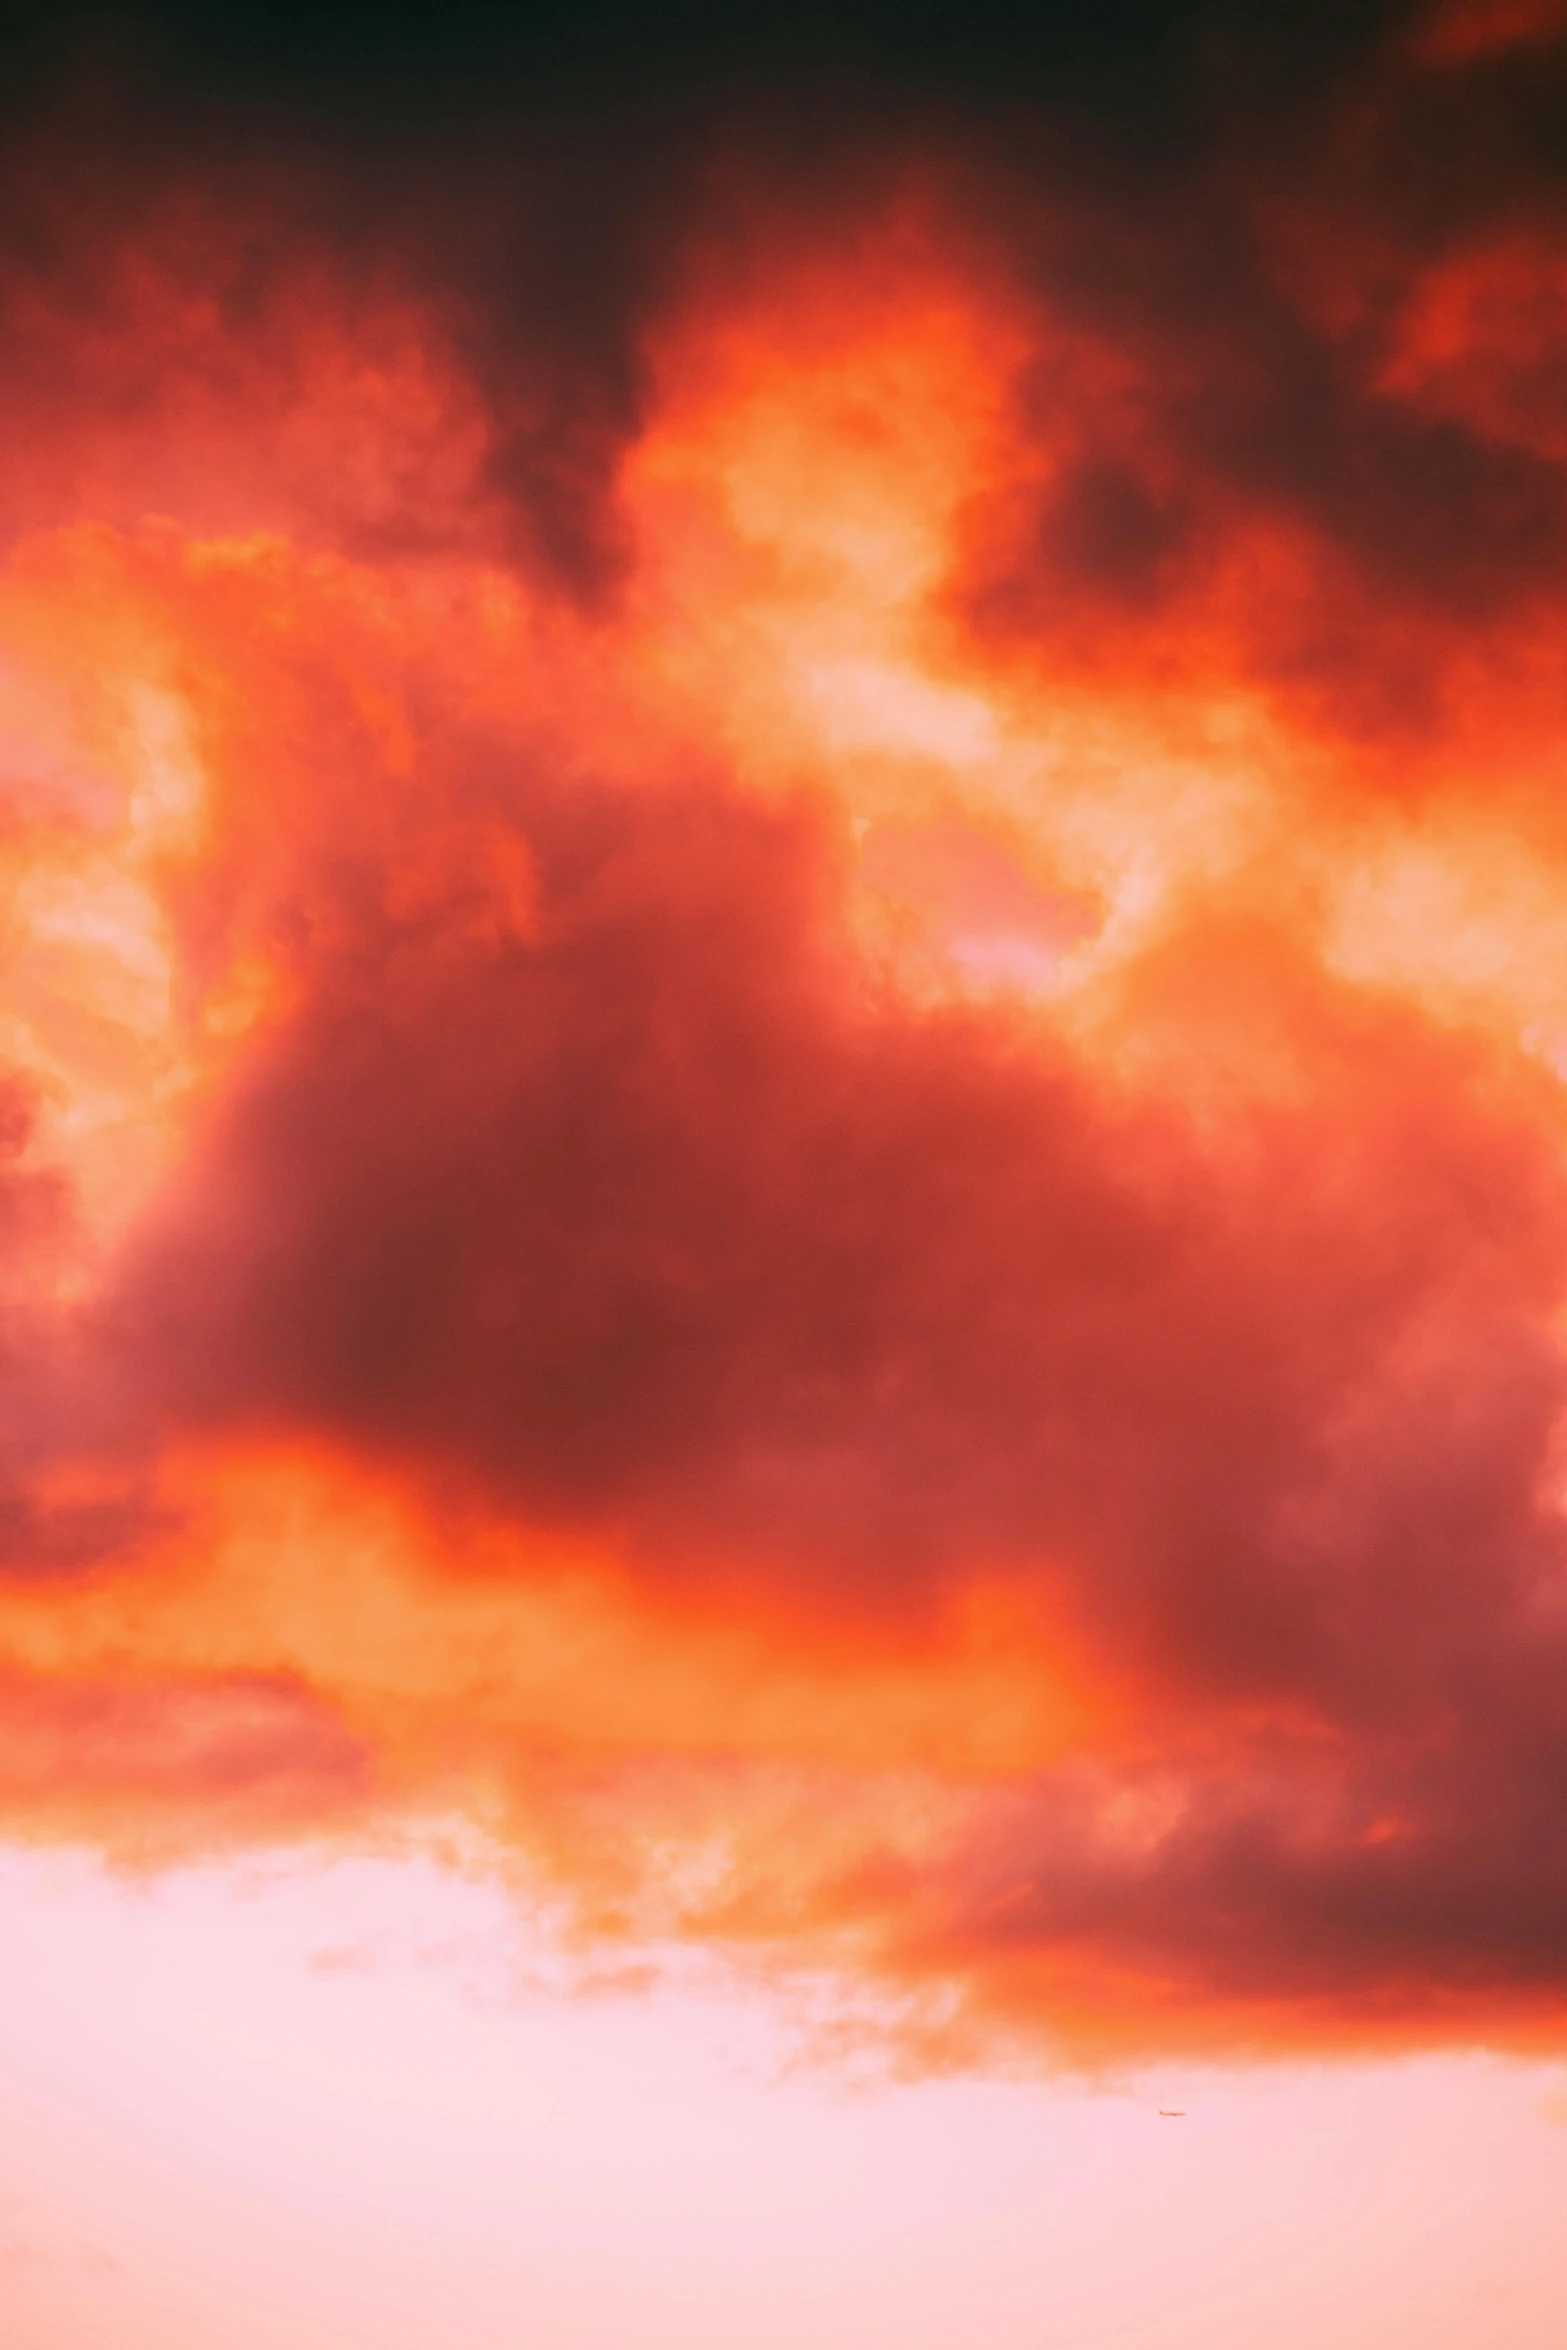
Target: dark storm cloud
[1404,1887]
[541,175]
[543,170]
[644,1222]
[580,1177]
[350,61]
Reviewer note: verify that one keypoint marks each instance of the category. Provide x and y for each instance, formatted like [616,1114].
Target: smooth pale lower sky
[340,2104]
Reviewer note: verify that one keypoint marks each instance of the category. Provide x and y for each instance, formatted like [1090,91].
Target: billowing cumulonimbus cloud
[789,983]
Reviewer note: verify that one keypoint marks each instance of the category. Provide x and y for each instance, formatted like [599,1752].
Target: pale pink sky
[337,2107]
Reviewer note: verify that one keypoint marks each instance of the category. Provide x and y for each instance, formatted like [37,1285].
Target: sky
[783,1273]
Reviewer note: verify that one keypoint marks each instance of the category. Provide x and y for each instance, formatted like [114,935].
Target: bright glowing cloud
[782,1054]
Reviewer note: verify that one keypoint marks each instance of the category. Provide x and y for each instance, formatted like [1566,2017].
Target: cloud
[787,1007]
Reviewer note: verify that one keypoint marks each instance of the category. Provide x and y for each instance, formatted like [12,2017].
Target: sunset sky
[783,1177]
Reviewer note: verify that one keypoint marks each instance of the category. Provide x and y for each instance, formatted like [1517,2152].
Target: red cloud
[787,1096]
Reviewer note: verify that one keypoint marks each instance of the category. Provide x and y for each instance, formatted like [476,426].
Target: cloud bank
[787,995]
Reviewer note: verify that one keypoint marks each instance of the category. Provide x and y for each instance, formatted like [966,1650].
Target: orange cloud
[797,1127]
